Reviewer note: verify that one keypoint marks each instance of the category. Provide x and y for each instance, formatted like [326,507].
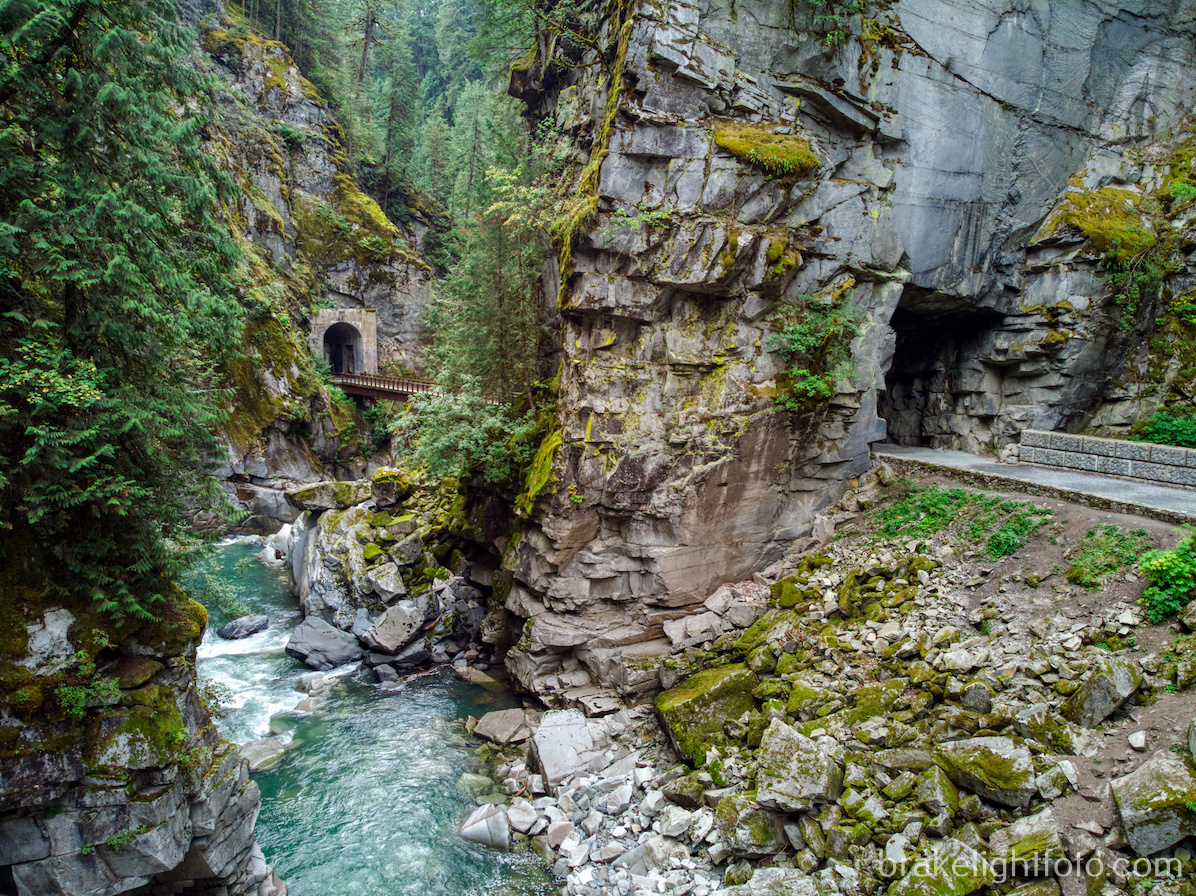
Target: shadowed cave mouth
[930,398]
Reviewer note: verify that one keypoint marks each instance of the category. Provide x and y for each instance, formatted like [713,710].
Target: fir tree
[116,299]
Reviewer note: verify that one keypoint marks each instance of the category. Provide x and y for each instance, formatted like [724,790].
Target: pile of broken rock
[876,730]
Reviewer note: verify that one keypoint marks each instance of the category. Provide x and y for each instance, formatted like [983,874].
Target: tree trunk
[278,19]
[365,46]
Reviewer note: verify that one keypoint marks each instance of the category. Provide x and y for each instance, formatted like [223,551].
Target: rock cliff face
[959,174]
[308,232]
[112,777]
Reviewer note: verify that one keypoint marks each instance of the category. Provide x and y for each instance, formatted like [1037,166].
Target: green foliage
[116,298]
[1022,524]
[458,433]
[216,696]
[1172,577]
[488,319]
[1169,428]
[1104,551]
[124,838]
[814,344]
[1003,527]
[205,582]
[72,699]
[831,18]
[1133,280]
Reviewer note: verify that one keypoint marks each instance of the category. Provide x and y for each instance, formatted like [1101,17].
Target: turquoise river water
[365,802]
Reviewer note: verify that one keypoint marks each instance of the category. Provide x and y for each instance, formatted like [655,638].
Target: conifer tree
[116,295]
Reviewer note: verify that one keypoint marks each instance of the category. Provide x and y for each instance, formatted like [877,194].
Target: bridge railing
[396,384]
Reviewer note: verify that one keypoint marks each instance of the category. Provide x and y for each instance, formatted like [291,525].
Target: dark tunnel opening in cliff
[938,393]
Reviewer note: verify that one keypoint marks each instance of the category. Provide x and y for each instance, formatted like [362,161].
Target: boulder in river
[244,626]
[262,754]
[504,726]
[322,646]
[487,825]
[395,628]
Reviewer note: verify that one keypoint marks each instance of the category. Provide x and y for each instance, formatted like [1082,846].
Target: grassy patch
[1104,551]
[1002,527]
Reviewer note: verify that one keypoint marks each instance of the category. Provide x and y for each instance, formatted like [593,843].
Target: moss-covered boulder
[750,831]
[330,495]
[991,767]
[693,713]
[1157,802]
[1109,685]
[1028,846]
[392,487]
[794,773]
[954,870]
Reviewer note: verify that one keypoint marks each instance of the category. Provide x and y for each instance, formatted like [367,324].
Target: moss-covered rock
[792,772]
[748,830]
[694,712]
[392,487]
[1111,683]
[954,870]
[1157,803]
[1027,843]
[331,495]
[992,767]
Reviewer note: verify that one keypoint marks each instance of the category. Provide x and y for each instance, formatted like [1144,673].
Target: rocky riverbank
[379,571]
[112,776]
[905,715]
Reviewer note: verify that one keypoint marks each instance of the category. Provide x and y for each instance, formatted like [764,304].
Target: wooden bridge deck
[393,388]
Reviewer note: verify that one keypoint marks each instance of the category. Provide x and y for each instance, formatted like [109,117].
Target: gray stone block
[1035,438]
[1168,454]
[1077,461]
[1101,447]
[1153,472]
[1062,441]
[1190,459]
[1028,454]
[1050,457]
[1133,451]
[1113,466]
[1185,476]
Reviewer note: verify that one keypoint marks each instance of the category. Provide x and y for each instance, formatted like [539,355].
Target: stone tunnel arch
[342,348]
[942,389]
[347,339]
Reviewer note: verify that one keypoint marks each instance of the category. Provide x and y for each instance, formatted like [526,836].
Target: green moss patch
[1110,219]
[787,156]
[694,712]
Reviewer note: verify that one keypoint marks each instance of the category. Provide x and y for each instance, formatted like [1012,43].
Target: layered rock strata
[931,168]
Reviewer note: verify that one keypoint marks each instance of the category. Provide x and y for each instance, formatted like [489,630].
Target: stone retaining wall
[1113,457]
